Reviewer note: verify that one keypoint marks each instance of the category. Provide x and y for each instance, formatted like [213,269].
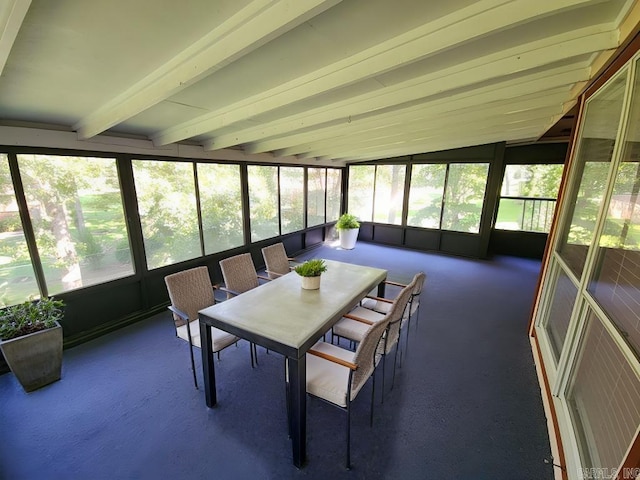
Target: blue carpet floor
[466,402]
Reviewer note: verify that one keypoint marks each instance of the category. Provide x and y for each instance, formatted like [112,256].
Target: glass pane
[389,194]
[595,148]
[78,219]
[510,214]
[168,212]
[315,201]
[604,400]
[425,195]
[466,185]
[535,188]
[263,201]
[334,193]
[557,323]
[361,178]
[616,281]
[17,280]
[535,181]
[531,215]
[291,199]
[221,206]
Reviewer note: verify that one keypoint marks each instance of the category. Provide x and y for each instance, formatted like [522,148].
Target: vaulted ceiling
[310,81]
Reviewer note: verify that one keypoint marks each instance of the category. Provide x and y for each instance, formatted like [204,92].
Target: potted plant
[31,341]
[310,272]
[348,228]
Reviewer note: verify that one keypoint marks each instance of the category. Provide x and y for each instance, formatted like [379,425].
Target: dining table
[285,318]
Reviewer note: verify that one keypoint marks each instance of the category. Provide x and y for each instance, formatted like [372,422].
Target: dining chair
[336,375]
[239,275]
[276,261]
[189,292]
[353,325]
[415,296]
[382,305]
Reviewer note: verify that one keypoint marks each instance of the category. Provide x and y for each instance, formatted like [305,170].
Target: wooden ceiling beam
[475,21]
[403,116]
[505,90]
[553,97]
[434,145]
[258,23]
[12,14]
[528,57]
[489,128]
[463,121]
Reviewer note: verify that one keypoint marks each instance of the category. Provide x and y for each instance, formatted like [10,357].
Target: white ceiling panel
[341,80]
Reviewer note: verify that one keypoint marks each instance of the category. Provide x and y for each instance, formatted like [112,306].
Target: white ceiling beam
[493,66]
[490,128]
[503,90]
[474,21]
[416,113]
[67,140]
[498,125]
[463,121]
[258,23]
[12,14]
[426,117]
[433,146]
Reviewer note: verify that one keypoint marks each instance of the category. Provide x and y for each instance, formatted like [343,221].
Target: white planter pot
[35,359]
[348,238]
[310,283]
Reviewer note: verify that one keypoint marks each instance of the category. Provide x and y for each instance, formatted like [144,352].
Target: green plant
[311,268]
[29,317]
[347,221]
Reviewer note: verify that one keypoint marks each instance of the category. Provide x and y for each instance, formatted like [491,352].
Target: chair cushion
[326,379]
[376,305]
[367,314]
[220,339]
[335,350]
[351,329]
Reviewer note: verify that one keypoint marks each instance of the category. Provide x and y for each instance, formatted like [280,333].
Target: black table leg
[381,289]
[208,369]
[298,408]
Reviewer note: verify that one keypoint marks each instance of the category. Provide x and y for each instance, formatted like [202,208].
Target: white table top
[281,311]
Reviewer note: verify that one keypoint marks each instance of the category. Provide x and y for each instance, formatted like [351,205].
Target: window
[528,197]
[361,182]
[425,195]
[594,153]
[389,194]
[221,206]
[464,196]
[615,283]
[316,197]
[263,202]
[17,280]
[376,193]
[291,199]
[595,259]
[78,219]
[334,193]
[604,399]
[168,211]
[562,302]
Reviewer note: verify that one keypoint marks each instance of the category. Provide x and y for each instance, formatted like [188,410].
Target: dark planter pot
[35,359]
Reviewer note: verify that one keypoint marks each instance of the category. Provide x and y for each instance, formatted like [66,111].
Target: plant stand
[35,359]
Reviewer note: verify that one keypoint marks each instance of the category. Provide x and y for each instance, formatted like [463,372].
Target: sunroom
[138,140]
